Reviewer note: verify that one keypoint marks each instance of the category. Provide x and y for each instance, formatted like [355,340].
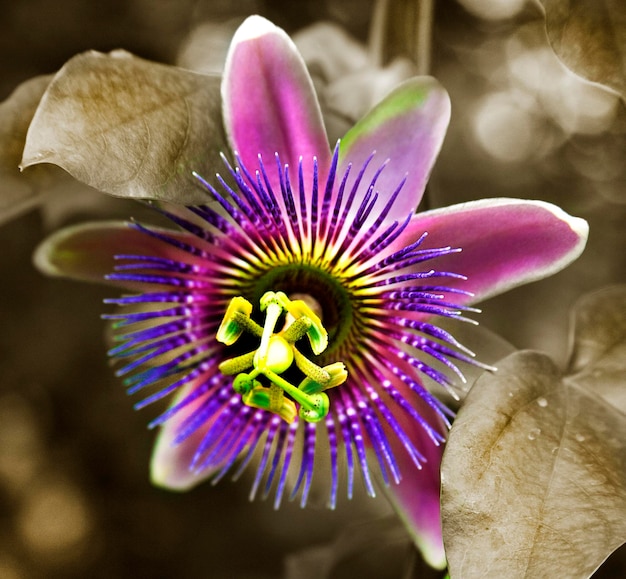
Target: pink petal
[505,242]
[416,498]
[269,103]
[407,128]
[85,251]
[170,463]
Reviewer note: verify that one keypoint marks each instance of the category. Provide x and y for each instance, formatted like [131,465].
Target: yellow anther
[318,337]
[338,375]
[230,329]
[276,354]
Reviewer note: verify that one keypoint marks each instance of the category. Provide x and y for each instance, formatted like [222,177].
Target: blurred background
[75,499]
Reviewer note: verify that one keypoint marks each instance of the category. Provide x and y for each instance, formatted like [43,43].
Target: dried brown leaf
[534,473]
[130,127]
[18,193]
[589,36]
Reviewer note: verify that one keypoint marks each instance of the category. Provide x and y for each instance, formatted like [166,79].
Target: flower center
[275,355]
[332,298]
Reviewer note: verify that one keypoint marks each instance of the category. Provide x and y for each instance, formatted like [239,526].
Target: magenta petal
[170,466]
[269,103]
[86,252]
[504,242]
[407,128]
[416,499]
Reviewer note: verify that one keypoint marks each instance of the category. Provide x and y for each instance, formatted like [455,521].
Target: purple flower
[296,316]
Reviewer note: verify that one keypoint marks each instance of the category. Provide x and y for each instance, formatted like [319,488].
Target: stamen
[275,356]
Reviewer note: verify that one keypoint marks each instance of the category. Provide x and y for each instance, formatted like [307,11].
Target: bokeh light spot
[574,104]
[503,129]
[20,444]
[493,9]
[54,519]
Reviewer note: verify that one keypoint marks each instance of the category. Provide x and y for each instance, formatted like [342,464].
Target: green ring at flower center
[330,294]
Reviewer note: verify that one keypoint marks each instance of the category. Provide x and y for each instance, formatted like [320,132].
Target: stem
[377,35]
[402,28]
[424,40]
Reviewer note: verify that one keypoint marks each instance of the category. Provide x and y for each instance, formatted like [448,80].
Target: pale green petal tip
[432,552]
[161,476]
[166,472]
[47,254]
[63,253]
[412,95]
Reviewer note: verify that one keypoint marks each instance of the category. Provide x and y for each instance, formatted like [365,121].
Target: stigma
[259,373]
